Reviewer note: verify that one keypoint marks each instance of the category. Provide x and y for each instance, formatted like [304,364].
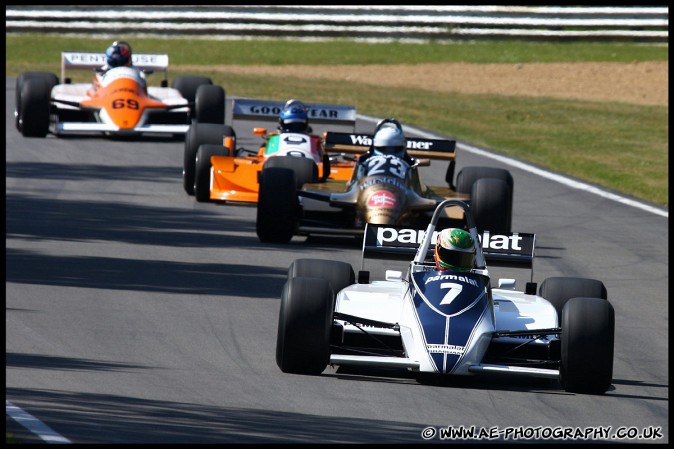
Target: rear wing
[332,114]
[92,60]
[399,243]
[416,146]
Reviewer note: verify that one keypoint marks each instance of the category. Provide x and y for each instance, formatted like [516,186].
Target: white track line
[537,171]
[34,425]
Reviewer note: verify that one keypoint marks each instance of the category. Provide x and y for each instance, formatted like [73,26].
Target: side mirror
[508,284]
[363,277]
[530,288]
[228,142]
[394,275]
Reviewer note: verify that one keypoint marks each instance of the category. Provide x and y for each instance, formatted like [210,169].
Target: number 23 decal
[389,165]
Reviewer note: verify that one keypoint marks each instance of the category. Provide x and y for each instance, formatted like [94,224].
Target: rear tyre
[277,205]
[202,177]
[491,204]
[558,290]
[210,104]
[305,169]
[305,321]
[188,85]
[465,181]
[468,175]
[338,274]
[34,112]
[197,135]
[588,330]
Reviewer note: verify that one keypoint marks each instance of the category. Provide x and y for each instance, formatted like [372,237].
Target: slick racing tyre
[468,175]
[305,322]
[188,85]
[34,114]
[491,205]
[305,169]
[202,177]
[338,274]
[465,183]
[51,79]
[558,290]
[197,135]
[588,331]
[278,207]
[209,104]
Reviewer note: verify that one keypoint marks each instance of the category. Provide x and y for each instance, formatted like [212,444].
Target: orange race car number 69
[121,103]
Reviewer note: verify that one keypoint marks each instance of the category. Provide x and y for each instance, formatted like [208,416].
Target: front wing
[167,112]
[367,332]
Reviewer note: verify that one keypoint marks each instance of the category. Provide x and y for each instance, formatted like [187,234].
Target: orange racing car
[116,102]
[215,170]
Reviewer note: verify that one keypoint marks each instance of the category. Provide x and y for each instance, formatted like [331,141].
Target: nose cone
[382,203]
[122,100]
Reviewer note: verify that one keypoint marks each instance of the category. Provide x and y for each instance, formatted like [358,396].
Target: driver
[117,55]
[294,118]
[454,250]
[389,140]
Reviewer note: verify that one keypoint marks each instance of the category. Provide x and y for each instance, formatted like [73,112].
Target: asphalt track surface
[135,314]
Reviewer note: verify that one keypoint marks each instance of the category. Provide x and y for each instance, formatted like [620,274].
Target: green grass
[36,48]
[620,146]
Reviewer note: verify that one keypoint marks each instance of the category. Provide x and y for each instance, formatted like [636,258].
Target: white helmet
[389,138]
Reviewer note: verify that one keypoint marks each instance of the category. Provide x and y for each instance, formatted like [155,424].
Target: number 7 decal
[454,290]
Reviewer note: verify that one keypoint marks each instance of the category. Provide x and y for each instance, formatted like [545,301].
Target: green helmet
[455,250]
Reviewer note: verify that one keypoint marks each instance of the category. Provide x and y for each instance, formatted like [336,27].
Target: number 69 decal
[121,103]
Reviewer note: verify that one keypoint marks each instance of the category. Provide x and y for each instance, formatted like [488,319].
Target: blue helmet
[294,117]
[118,54]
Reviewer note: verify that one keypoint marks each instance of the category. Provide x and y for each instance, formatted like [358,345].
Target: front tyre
[202,177]
[277,205]
[305,169]
[49,77]
[588,329]
[305,321]
[199,134]
[338,274]
[35,107]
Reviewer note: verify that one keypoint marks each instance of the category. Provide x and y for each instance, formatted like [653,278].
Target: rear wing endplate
[416,146]
[251,109]
[399,243]
[93,60]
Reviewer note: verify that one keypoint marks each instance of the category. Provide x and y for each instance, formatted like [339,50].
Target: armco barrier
[398,22]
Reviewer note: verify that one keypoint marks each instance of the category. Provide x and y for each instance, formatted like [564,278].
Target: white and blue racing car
[452,323]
